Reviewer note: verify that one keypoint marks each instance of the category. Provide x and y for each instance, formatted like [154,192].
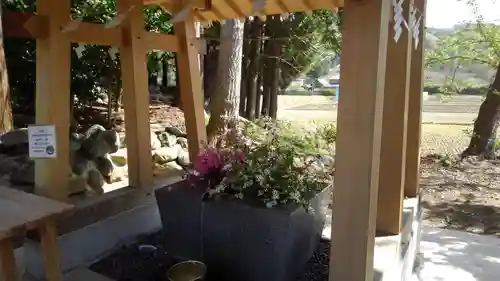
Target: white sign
[42,141]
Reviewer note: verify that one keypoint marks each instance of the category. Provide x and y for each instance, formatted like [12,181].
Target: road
[448,110]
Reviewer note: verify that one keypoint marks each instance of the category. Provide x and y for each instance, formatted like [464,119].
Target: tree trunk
[258,98]
[267,69]
[253,68]
[164,78]
[245,61]
[271,81]
[210,69]
[224,105]
[177,96]
[483,139]
[5,101]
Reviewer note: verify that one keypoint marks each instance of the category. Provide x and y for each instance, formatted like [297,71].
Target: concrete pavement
[450,255]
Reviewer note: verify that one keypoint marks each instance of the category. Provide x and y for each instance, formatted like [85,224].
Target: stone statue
[91,159]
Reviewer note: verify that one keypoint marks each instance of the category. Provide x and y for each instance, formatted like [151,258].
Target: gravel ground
[146,260]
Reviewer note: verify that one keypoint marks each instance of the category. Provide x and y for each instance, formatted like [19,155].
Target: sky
[446,13]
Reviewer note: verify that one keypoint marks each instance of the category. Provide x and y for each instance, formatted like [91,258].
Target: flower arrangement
[270,172]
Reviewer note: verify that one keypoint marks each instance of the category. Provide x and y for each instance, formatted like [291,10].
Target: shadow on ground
[480,219]
[461,195]
[452,255]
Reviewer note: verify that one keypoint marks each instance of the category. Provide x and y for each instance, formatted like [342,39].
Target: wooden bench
[20,212]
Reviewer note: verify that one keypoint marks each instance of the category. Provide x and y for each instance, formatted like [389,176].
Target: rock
[75,142]
[77,184]
[168,169]
[9,164]
[183,157]
[25,175]
[327,160]
[176,132]
[105,166]
[183,142]
[155,141]
[119,174]
[98,142]
[95,181]
[15,137]
[166,154]
[15,142]
[167,139]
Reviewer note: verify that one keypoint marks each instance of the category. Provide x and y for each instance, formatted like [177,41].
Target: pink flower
[240,155]
[207,161]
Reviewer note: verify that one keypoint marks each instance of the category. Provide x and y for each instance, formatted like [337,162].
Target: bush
[328,92]
[272,163]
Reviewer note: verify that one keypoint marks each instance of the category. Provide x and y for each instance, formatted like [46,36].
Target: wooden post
[53,97]
[136,94]
[394,130]
[8,268]
[50,251]
[190,85]
[364,45]
[412,178]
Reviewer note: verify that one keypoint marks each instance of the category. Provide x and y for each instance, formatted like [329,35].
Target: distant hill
[474,75]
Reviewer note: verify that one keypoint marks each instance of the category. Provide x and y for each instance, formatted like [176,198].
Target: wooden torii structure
[379,113]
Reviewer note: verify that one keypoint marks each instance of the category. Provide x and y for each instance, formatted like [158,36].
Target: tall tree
[5,101]
[483,140]
[473,44]
[252,82]
[224,103]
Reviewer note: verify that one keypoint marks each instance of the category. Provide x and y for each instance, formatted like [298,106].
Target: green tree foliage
[312,39]
[91,74]
[473,50]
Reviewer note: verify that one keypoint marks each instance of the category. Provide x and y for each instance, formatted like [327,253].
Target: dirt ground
[461,195]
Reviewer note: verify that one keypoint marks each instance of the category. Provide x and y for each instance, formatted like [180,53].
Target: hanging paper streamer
[416,32]
[182,15]
[398,18]
[258,6]
[79,50]
[72,25]
[112,52]
[118,20]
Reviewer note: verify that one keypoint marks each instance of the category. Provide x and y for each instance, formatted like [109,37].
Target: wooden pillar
[412,178]
[190,85]
[394,129]
[136,94]
[53,97]
[359,121]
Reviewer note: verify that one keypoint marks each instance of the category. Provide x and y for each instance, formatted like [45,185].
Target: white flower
[275,195]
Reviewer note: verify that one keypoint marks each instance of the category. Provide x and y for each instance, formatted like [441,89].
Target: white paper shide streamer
[416,31]
[398,19]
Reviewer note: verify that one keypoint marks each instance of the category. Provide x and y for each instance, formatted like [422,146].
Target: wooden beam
[27,25]
[394,129]
[53,96]
[190,85]
[412,178]
[364,50]
[158,41]
[136,95]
